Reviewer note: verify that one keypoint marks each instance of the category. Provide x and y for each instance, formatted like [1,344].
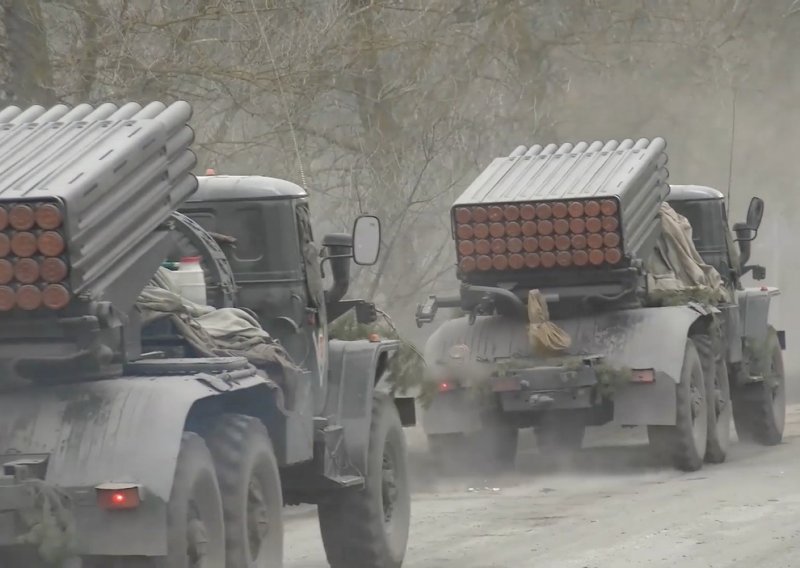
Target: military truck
[138,428]
[593,292]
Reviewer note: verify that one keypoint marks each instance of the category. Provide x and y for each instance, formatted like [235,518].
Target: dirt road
[610,507]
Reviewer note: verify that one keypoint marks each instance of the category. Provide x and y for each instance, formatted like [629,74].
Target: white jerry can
[190,280]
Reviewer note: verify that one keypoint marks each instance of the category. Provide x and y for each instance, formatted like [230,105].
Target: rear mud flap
[642,404]
[451,413]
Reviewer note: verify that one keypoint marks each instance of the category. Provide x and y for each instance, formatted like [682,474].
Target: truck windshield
[706,217]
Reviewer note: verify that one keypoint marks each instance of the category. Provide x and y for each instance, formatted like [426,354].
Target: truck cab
[263,225]
[704,208]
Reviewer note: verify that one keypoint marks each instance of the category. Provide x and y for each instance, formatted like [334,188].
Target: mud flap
[452,412]
[646,404]
[354,369]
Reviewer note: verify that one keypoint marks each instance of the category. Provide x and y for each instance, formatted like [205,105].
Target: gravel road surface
[610,507]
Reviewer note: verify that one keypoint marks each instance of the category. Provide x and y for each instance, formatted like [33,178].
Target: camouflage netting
[676,273]
[51,527]
[407,367]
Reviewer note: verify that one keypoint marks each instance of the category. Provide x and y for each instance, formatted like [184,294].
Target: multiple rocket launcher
[83,192]
[561,208]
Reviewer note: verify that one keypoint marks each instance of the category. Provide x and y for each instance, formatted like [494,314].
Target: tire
[759,409]
[252,498]
[557,435]
[684,444]
[718,398]
[368,528]
[194,512]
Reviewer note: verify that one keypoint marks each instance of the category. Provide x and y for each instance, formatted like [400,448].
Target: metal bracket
[426,312]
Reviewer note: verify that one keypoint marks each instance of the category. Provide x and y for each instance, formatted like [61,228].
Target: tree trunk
[30,76]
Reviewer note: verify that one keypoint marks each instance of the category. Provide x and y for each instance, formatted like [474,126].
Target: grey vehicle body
[67,439]
[650,339]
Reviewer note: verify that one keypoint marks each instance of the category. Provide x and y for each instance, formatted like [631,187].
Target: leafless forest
[391,106]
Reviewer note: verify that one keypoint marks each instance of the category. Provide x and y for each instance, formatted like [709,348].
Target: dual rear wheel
[705,405]
[225,510]
[226,502]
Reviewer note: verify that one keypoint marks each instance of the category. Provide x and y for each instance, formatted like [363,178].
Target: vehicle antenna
[281,91]
[730,157]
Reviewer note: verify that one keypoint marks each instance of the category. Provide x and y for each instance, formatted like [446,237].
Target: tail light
[524,236]
[33,263]
[118,497]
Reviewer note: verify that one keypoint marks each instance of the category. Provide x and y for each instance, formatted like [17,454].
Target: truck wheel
[759,409]
[718,398]
[557,435]
[196,533]
[368,527]
[685,442]
[252,498]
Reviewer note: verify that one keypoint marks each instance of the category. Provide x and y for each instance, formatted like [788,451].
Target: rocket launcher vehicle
[85,198]
[561,215]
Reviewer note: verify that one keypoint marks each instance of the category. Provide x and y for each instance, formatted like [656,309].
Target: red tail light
[118,499]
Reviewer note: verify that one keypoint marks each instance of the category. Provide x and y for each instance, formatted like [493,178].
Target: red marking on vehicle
[645,376]
[506,385]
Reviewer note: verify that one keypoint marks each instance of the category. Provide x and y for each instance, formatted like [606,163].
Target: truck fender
[754,304]
[115,431]
[356,369]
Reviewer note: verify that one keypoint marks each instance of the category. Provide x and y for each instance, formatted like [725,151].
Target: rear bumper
[545,388]
[460,410]
[542,389]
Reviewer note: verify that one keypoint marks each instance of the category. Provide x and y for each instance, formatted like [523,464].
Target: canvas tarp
[676,267]
[675,273]
[211,332]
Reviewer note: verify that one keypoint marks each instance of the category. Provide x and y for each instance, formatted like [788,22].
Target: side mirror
[366,240]
[754,213]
